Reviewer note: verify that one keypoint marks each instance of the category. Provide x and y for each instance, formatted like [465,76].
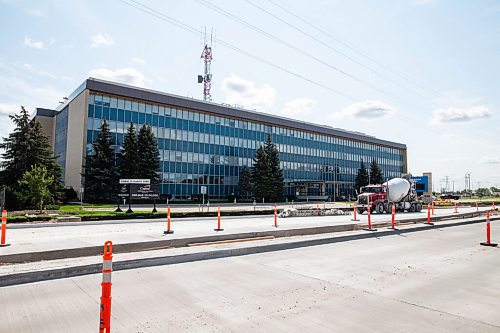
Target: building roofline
[42,112]
[124,90]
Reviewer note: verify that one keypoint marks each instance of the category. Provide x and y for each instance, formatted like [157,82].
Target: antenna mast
[206,79]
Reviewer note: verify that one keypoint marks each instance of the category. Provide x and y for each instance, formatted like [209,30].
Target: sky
[420,72]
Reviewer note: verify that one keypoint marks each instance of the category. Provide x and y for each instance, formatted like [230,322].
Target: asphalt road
[438,280]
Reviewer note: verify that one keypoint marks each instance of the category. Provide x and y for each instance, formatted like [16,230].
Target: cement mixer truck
[400,191]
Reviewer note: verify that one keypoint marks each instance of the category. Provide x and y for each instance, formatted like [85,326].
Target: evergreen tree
[266,173]
[376,176]
[100,173]
[245,186]
[130,155]
[24,148]
[278,184]
[362,177]
[261,174]
[148,155]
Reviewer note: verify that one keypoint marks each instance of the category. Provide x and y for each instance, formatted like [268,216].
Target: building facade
[206,144]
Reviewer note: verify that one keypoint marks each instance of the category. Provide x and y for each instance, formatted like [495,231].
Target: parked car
[450,196]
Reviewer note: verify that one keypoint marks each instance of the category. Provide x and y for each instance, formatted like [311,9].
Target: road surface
[439,280]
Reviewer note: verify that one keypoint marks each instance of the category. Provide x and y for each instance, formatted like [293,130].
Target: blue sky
[421,72]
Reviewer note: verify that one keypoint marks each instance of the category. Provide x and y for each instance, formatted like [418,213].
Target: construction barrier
[433,208]
[488,236]
[4,228]
[393,219]
[456,210]
[355,211]
[477,207]
[369,220]
[105,308]
[493,206]
[429,214]
[275,216]
[218,220]
[168,231]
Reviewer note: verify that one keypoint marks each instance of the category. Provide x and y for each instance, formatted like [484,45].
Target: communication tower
[206,79]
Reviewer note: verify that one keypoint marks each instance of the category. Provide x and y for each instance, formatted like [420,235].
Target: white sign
[135,181]
[203,190]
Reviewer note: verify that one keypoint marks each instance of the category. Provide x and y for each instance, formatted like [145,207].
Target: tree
[483,191]
[362,176]
[376,176]
[34,187]
[24,148]
[100,173]
[261,174]
[130,154]
[148,155]
[266,173]
[278,184]
[245,186]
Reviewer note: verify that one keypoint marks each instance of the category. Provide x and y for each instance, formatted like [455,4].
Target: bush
[70,194]
[231,197]
[199,198]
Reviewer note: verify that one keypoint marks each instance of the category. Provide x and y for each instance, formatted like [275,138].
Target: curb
[89,251]
[30,277]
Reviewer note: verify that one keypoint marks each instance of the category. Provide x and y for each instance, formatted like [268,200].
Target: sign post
[203,190]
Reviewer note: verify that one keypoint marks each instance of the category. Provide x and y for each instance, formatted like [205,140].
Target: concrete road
[429,281]
[43,237]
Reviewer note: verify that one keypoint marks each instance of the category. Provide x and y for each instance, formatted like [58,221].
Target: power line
[281,41]
[355,49]
[332,48]
[151,11]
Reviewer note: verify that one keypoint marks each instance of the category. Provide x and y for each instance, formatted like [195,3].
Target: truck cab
[373,196]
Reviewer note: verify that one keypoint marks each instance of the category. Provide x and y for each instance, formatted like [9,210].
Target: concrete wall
[48,127]
[405,161]
[77,137]
[429,183]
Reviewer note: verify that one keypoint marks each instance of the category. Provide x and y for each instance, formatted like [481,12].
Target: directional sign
[135,181]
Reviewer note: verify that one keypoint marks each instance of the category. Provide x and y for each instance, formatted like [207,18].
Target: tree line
[365,177]
[140,160]
[29,168]
[265,179]
[32,176]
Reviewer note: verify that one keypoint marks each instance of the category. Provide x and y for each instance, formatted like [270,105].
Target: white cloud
[37,12]
[489,160]
[454,115]
[102,40]
[8,109]
[39,45]
[425,2]
[22,92]
[139,61]
[124,75]
[248,93]
[31,69]
[299,107]
[369,109]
